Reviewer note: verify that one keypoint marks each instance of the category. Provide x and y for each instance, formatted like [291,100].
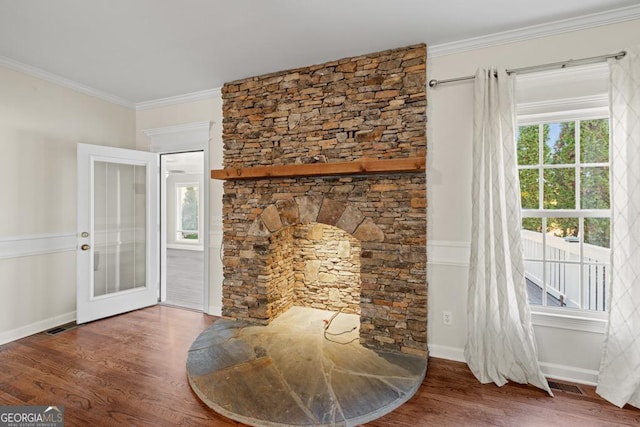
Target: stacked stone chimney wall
[370,106]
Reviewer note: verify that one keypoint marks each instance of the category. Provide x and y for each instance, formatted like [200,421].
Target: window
[563,165]
[564,181]
[187,227]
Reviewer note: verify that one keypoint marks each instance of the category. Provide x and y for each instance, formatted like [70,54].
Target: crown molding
[179,99]
[78,87]
[64,82]
[535,31]
[435,50]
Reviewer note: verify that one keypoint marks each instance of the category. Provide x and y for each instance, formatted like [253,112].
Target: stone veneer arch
[320,209]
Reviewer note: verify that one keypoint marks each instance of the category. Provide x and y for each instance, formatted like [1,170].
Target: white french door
[117,256]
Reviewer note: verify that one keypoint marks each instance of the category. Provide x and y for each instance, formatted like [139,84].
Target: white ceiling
[142,50]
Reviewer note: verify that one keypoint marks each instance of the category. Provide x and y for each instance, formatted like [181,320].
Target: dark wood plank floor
[129,370]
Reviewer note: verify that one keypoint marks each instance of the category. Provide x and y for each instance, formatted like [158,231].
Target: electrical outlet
[447,317]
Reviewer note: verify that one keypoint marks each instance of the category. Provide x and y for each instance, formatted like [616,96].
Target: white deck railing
[577,284]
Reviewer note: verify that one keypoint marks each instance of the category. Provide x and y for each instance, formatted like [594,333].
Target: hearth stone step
[293,372]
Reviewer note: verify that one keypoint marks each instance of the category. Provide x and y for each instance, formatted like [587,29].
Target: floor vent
[62,328]
[567,388]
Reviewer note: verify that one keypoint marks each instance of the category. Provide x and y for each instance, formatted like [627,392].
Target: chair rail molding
[36,244]
[450,253]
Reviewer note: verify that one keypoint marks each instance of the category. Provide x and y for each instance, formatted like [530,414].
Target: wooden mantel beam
[357,167]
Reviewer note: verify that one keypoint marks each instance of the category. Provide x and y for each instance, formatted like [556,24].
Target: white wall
[40,125]
[182,114]
[562,352]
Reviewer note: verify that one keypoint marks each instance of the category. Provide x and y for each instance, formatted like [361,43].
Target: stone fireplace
[315,265]
[355,242]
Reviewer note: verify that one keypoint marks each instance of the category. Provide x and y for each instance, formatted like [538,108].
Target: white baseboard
[446,352]
[569,373]
[185,247]
[37,327]
[550,370]
[215,310]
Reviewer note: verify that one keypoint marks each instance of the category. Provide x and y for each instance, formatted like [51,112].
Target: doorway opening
[182,253]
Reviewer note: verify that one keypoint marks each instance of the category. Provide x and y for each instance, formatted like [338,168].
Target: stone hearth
[370,106]
[290,373]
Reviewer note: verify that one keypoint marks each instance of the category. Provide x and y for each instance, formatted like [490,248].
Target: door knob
[85,247]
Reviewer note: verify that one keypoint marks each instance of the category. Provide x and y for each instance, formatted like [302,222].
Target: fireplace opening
[380,228]
[313,265]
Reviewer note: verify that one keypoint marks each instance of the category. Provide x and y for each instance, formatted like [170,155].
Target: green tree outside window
[559,150]
[189,213]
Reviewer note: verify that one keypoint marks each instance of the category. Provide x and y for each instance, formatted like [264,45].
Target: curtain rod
[543,67]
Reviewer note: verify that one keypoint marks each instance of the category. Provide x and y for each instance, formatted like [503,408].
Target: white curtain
[500,341]
[619,379]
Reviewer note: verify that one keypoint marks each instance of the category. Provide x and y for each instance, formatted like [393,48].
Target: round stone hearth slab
[293,372]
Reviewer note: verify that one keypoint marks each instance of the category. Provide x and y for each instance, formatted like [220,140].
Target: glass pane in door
[119,215]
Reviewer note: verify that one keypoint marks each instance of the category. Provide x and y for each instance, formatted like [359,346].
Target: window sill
[564,318]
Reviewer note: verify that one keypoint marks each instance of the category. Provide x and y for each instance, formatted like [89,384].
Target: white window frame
[179,238]
[558,96]
[578,213]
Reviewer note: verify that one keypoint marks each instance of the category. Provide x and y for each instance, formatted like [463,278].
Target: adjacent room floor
[185,278]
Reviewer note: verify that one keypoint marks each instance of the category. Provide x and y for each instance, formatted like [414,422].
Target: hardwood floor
[127,370]
[130,370]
